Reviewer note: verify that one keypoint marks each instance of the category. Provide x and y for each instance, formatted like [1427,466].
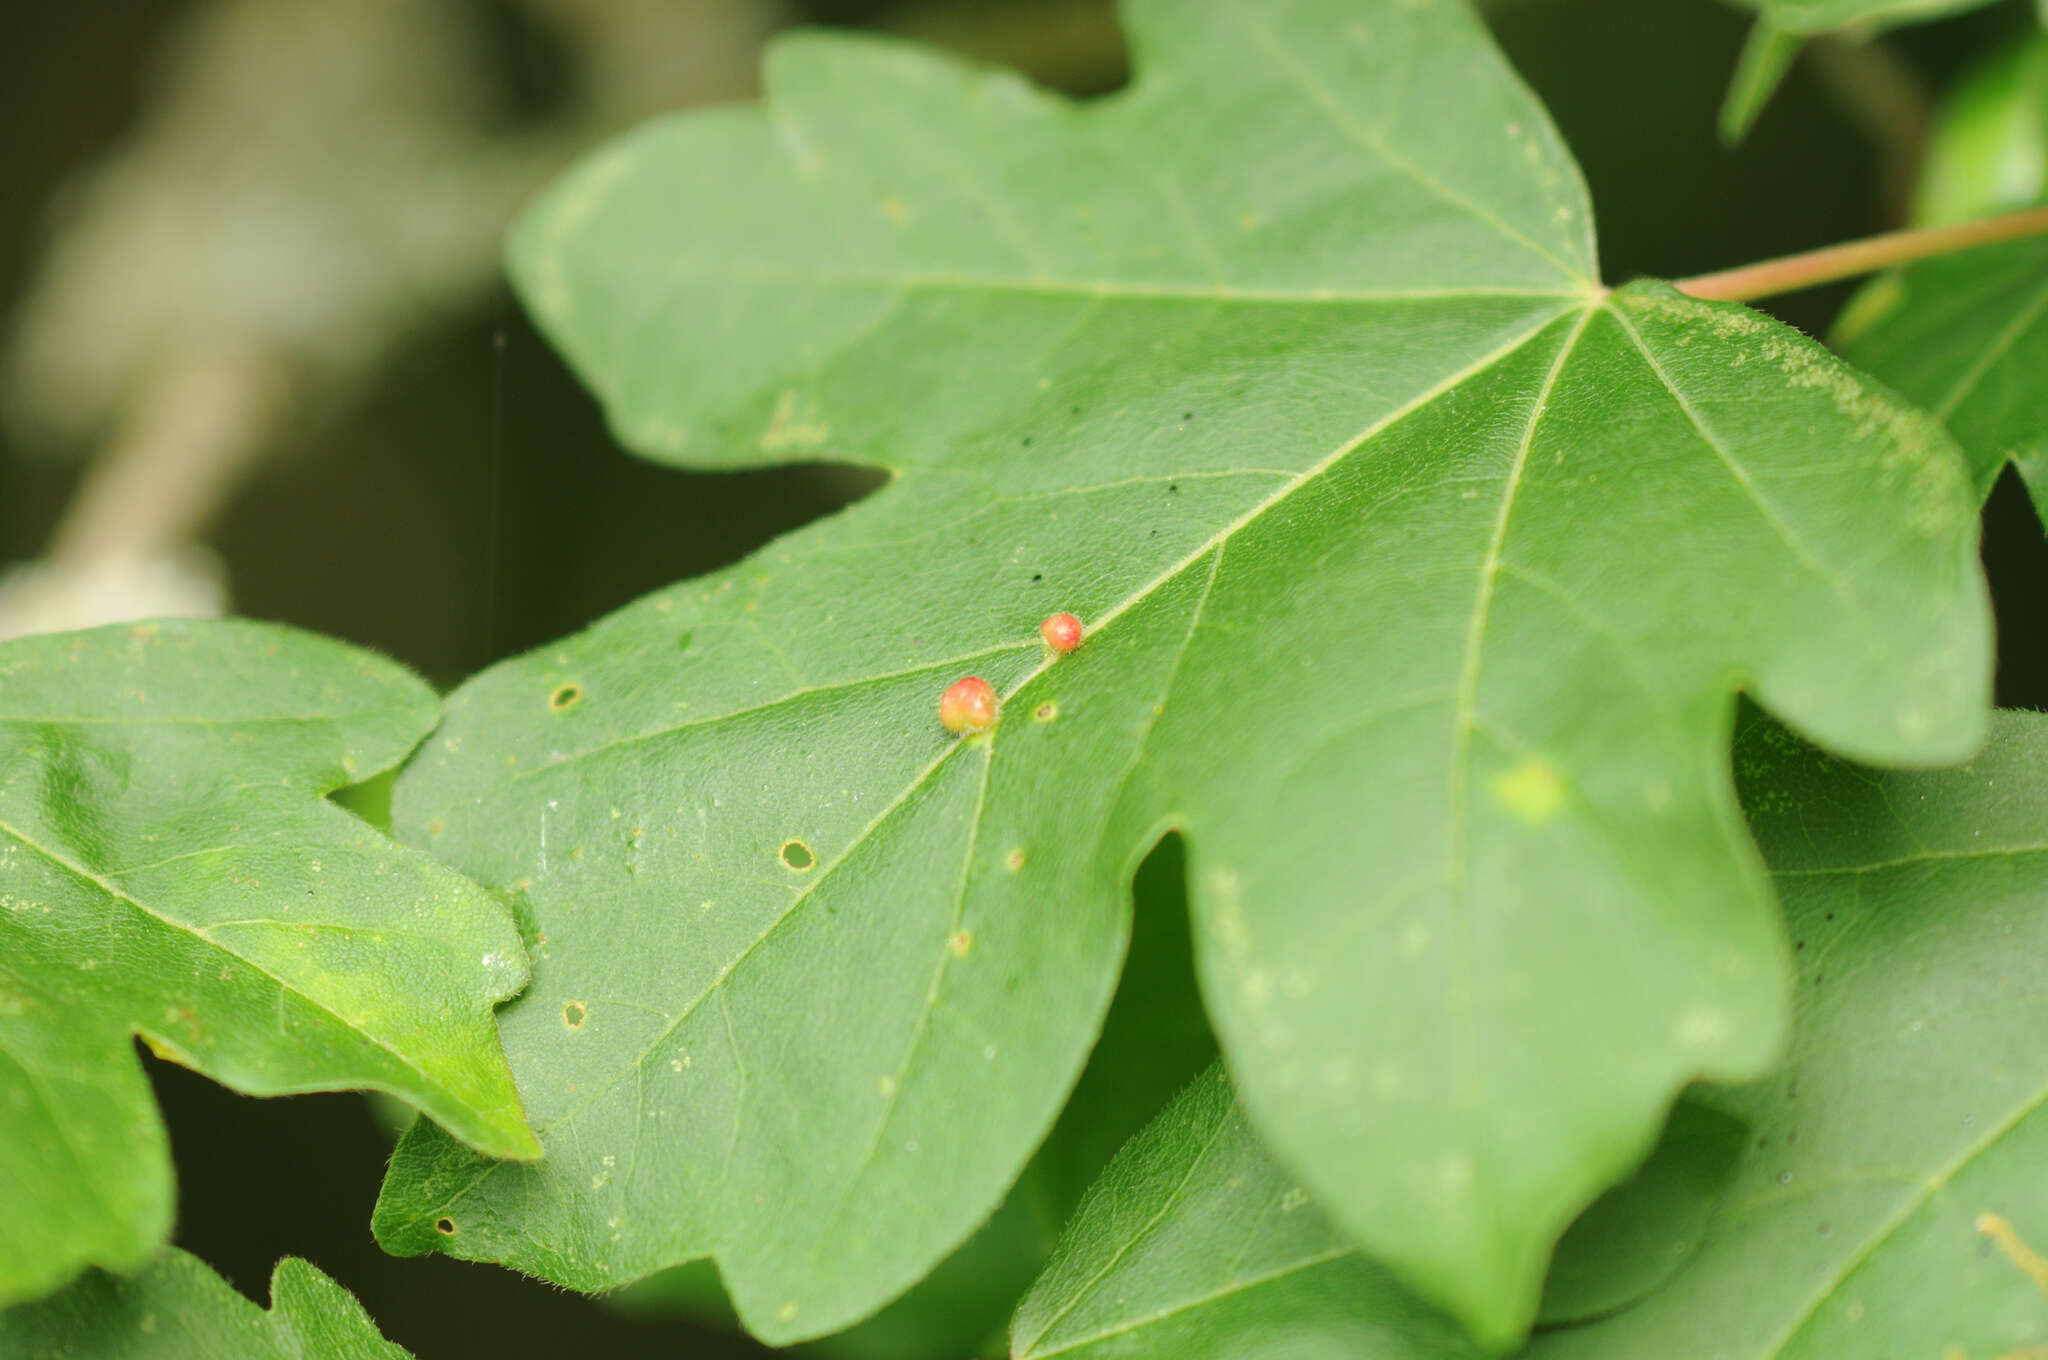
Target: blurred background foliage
[258,355]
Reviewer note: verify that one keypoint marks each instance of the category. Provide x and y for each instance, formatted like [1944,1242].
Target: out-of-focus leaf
[1863,16]
[170,869]
[1766,59]
[1989,149]
[178,1309]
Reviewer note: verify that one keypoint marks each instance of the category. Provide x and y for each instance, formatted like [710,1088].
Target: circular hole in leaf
[565,697]
[796,855]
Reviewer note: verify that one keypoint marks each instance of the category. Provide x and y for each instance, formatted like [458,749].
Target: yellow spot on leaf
[1533,791]
[1995,1227]
[795,424]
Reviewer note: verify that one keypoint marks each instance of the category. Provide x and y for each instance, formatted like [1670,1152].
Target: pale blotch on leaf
[1533,791]
[1014,860]
[961,942]
[2000,1230]
[794,424]
[1703,1027]
[1046,711]
[1414,942]
[574,1013]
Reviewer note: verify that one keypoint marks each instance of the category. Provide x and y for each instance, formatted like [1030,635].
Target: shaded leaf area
[1154,1039]
[1887,1197]
[1966,336]
[1195,1243]
[1641,1233]
[1826,16]
[1893,1182]
[1417,574]
[177,1308]
[169,869]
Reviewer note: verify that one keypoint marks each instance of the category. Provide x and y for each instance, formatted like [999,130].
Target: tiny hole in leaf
[574,1013]
[565,697]
[796,855]
[445,1226]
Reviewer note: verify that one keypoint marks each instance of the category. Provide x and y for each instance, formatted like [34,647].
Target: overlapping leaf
[1890,1197]
[1967,337]
[1894,1178]
[177,1308]
[1418,572]
[168,868]
[1195,1245]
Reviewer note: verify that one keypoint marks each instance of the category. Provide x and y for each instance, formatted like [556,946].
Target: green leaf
[1766,59]
[1195,1244]
[1887,1190]
[1418,573]
[1966,336]
[1827,16]
[1641,1233]
[1894,1178]
[1988,151]
[178,1308]
[169,869]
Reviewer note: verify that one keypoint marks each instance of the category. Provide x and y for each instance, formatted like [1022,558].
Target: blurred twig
[311,184]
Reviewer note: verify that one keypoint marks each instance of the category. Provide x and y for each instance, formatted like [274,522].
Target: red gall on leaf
[968,705]
[1062,633]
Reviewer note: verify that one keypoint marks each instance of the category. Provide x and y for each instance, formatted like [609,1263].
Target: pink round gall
[968,705]
[1062,633]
